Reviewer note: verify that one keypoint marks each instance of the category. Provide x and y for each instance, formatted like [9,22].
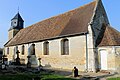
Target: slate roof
[19,19]
[1,50]
[72,22]
[17,16]
[111,37]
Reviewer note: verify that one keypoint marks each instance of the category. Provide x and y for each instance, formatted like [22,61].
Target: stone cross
[17,53]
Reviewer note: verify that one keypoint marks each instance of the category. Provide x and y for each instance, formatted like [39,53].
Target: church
[82,37]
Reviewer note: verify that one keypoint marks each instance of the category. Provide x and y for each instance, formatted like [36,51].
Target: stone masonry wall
[76,57]
[113,57]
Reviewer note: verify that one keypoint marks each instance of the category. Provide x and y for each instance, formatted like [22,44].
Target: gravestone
[17,59]
[28,63]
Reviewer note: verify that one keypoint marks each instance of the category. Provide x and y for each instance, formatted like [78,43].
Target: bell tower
[16,25]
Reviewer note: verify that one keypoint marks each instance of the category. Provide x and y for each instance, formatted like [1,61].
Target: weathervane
[18,9]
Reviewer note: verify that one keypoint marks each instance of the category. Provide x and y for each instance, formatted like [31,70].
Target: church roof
[72,22]
[111,37]
[17,16]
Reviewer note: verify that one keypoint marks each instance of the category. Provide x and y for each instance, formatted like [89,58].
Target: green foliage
[54,77]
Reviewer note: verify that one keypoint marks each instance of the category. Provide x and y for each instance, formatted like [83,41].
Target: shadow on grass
[34,77]
[15,77]
[54,77]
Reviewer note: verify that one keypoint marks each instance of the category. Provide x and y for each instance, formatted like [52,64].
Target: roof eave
[108,45]
[57,37]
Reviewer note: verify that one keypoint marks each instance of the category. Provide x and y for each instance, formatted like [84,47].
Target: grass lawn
[118,78]
[43,76]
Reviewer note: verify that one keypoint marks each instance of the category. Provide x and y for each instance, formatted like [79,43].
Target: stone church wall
[117,58]
[12,53]
[12,33]
[76,57]
[113,58]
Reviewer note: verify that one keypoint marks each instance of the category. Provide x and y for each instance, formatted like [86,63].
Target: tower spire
[17,24]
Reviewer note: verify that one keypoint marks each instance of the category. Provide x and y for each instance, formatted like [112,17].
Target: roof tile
[111,37]
[72,22]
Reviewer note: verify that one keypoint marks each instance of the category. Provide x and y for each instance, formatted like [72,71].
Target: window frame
[23,50]
[33,47]
[64,47]
[8,50]
[46,48]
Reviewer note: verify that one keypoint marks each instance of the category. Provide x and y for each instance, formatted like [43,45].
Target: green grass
[54,77]
[15,77]
[118,78]
[43,76]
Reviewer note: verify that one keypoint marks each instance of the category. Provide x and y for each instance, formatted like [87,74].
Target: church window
[33,49]
[8,50]
[23,50]
[65,47]
[16,49]
[46,48]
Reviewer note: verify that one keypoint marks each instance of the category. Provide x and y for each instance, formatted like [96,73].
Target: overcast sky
[33,11]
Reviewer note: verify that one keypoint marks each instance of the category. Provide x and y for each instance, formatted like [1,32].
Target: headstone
[3,66]
[33,61]
[17,59]
[75,72]
[28,63]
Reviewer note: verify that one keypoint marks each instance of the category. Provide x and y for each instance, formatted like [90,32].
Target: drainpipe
[86,53]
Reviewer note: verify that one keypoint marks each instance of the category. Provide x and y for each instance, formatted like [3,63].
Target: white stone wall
[12,33]
[76,57]
[113,57]
[91,61]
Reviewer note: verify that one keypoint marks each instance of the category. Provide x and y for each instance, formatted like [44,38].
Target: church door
[103,55]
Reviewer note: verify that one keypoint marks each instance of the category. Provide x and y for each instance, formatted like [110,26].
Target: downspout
[86,53]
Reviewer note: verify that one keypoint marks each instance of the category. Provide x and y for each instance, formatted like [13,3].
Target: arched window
[65,47]
[23,50]
[8,50]
[33,49]
[16,49]
[46,48]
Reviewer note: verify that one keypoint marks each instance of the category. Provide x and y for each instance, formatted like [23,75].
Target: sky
[33,11]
